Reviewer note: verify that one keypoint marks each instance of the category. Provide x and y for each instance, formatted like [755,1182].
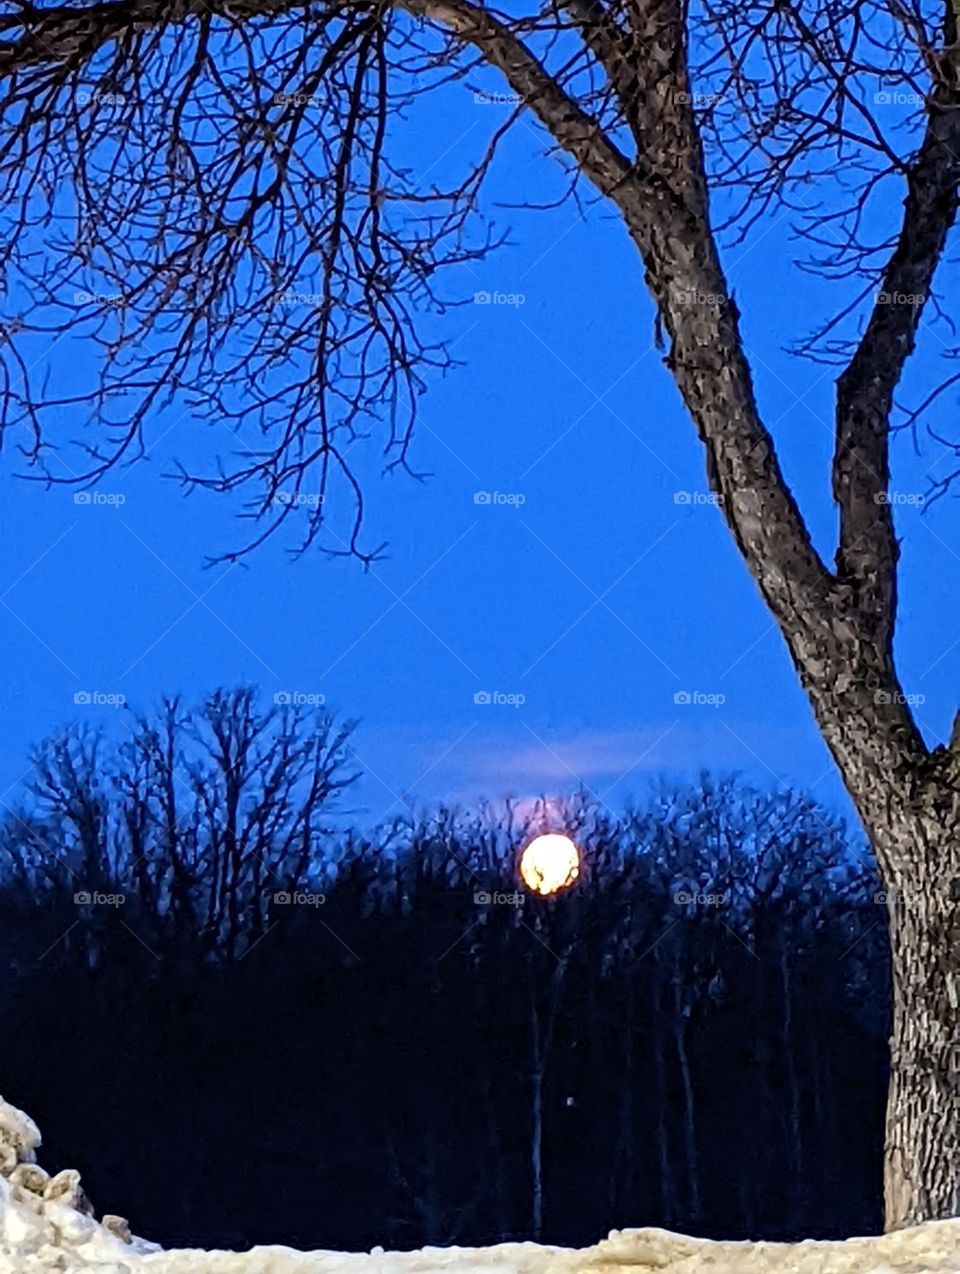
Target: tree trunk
[536,1141]
[623,1192]
[661,1098]
[838,623]
[909,801]
[541,1029]
[922,1167]
[686,1088]
[794,1123]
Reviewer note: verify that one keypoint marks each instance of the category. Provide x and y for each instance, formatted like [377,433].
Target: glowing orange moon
[549,863]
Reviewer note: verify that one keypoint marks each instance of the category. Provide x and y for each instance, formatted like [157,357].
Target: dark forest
[247,1024]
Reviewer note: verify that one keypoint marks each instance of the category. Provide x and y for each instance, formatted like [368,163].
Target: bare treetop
[216,197]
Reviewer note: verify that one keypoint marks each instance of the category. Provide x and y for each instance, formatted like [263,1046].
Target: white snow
[45,1226]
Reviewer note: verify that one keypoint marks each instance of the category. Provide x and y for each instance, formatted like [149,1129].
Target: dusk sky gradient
[598,598]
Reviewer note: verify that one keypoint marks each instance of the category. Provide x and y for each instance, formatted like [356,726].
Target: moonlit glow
[550,863]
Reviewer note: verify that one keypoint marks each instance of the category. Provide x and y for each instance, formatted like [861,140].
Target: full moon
[549,863]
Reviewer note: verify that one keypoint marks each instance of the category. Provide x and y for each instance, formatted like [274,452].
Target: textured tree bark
[909,801]
[922,1168]
[922,1171]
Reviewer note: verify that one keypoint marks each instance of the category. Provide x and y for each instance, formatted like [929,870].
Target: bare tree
[201,815]
[176,169]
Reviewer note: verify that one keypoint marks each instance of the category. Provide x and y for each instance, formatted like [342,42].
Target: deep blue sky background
[563,400]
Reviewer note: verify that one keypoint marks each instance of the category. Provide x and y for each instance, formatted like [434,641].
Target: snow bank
[47,1224]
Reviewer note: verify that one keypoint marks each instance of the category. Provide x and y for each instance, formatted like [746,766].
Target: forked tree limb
[868,551]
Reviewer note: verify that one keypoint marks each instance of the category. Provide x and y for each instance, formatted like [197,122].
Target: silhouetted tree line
[246,1025]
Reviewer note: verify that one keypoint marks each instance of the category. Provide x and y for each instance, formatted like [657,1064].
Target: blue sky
[584,587]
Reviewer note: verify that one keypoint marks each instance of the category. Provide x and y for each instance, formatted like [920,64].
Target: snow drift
[47,1223]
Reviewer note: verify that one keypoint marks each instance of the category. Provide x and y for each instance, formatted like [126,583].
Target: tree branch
[868,550]
[71,36]
[663,200]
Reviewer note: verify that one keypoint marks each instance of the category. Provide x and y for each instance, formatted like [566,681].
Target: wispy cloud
[527,759]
